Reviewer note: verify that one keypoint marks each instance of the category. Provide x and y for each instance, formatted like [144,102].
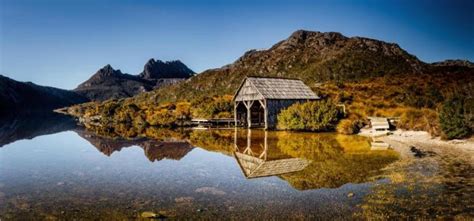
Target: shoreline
[402,141]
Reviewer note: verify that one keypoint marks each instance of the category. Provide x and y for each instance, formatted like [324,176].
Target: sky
[62,43]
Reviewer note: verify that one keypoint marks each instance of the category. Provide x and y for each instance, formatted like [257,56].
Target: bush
[420,120]
[310,116]
[452,119]
[213,107]
[160,117]
[349,126]
[183,110]
[346,126]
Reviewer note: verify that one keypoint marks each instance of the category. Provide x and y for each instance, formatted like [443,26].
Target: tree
[452,120]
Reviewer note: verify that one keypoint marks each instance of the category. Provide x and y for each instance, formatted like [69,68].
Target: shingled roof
[277,88]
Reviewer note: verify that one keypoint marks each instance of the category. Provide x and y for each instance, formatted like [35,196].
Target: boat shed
[259,100]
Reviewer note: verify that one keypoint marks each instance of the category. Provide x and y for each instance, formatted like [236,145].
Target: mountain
[370,77]
[170,69]
[108,83]
[313,57]
[454,63]
[26,96]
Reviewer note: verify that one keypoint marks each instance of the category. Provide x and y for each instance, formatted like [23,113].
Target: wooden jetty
[203,123]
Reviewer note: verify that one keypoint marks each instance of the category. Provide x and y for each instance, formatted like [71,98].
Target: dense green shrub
[310,116]
[453,121]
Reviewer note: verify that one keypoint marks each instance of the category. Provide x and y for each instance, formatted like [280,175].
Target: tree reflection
[335,160]
[332,160]
[304,160]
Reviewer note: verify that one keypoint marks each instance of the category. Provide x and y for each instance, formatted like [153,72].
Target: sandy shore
[403,140]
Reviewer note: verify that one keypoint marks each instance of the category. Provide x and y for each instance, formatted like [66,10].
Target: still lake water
[65,171]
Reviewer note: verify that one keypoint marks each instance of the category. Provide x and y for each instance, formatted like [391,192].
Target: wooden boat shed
[259,100]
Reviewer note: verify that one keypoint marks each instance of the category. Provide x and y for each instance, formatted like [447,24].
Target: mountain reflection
[304,160]
[154,150]
[19,126]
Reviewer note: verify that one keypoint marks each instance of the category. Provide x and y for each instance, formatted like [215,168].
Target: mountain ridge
[311,56]
[108,83]
[27,96]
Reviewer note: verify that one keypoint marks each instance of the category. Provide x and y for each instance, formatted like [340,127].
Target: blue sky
[61,43]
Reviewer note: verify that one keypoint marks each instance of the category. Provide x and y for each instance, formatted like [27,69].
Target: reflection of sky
[65,165]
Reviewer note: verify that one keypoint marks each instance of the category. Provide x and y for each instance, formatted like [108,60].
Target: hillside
[454,63]
[313,57]
[108,83]
[15,95]
[370,77]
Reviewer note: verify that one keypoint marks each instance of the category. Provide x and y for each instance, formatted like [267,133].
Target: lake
[50,168]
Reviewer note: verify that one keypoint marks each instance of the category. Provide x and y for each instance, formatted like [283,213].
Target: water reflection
[19,126]
[258,160]
[154,150]
[304,160]
[118,173]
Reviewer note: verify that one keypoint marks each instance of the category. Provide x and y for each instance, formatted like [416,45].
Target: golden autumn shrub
[213,107]
[160,117]
[183,110]
[420,120]
[310,116]
[347,126]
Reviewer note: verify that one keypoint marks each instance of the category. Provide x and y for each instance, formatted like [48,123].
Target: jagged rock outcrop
[455,62]
[170,69]
[108,83]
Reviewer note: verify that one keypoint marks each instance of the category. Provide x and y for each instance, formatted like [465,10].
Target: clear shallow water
[196,174]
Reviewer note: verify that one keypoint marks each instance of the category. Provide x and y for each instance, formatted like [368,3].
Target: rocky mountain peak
[104,74]
[109,83]
[303,35]
[157,69]
[108,70]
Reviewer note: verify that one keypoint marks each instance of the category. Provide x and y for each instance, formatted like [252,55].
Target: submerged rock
[210,190]
[152,215]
